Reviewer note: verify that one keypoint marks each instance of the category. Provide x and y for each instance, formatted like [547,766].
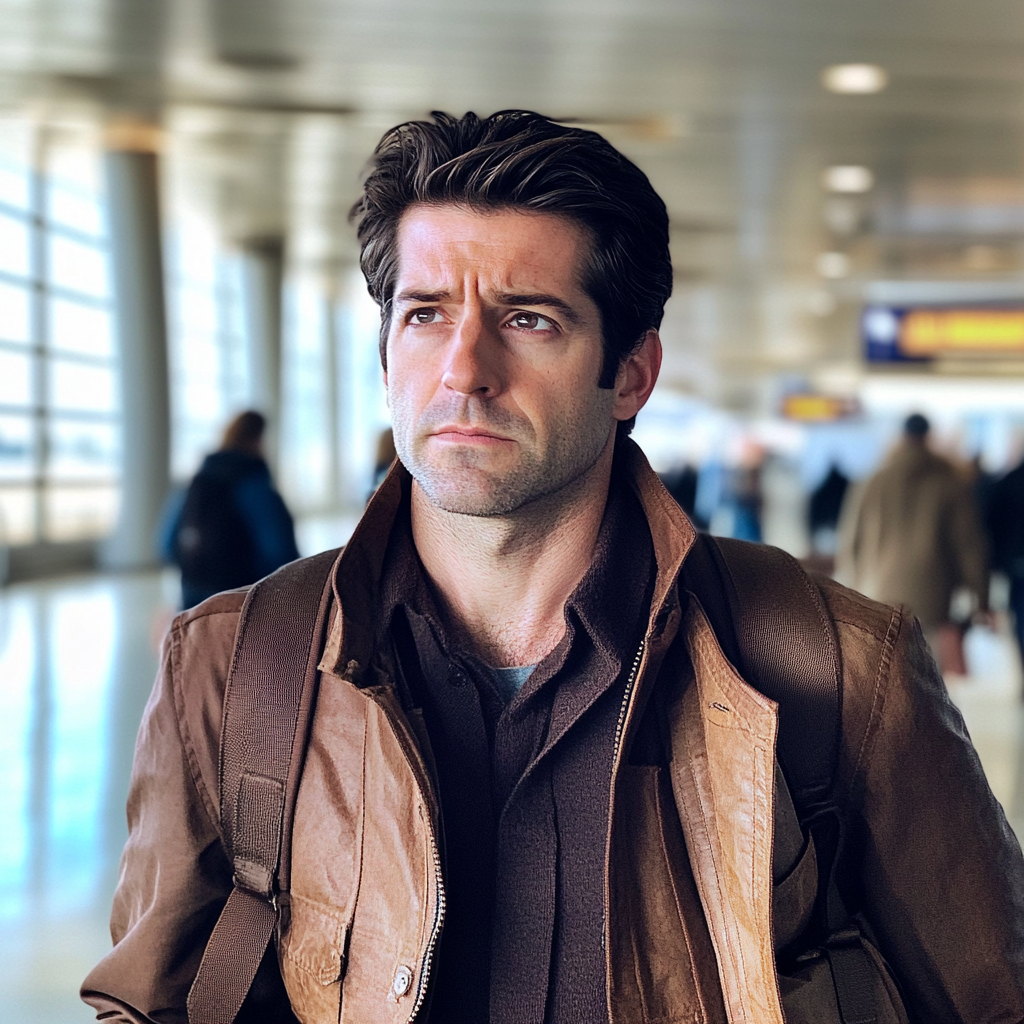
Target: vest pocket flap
[314,939]
[793,898]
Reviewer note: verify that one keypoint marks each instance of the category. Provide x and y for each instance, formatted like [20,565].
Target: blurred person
[747,500]
[912,535]
[503,759]
[681,483]
[824,509]
[231,527]
[1005,519]
[384,458]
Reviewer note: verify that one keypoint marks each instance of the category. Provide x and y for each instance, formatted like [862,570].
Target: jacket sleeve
[941,876]
[175,877]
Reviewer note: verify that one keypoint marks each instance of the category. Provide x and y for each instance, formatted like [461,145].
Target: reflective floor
[77,659]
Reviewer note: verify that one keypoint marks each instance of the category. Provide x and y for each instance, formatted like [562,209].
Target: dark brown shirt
[524,786]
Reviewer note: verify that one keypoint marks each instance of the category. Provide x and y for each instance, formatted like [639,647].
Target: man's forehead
[511,246]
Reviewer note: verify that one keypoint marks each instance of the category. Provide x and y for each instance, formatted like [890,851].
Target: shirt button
[403,979]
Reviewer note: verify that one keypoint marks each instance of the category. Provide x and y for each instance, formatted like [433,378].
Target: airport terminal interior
[845,183]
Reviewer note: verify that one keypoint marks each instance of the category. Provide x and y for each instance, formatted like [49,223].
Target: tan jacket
[912,535]
[933,863]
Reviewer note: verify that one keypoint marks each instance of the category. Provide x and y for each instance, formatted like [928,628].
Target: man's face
[493,353]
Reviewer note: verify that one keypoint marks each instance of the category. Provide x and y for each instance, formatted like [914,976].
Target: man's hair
[519,160]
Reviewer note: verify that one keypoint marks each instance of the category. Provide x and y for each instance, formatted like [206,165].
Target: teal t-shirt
[509,681]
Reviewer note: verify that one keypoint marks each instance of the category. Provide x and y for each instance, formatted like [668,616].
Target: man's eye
[424,316]
[531,322]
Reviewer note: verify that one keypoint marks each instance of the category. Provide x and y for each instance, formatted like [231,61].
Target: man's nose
[473,364]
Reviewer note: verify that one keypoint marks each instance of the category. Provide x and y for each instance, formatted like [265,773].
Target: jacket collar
[358,571]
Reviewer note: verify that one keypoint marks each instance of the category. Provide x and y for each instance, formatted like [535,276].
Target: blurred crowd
[924,530]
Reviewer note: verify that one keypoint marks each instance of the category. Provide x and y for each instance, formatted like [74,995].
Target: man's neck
[504,580]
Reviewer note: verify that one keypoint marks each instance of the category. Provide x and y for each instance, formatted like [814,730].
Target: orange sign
[930,332]
[817,408]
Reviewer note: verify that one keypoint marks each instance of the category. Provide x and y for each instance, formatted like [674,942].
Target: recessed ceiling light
[847,178]
[855,78]
[833,264]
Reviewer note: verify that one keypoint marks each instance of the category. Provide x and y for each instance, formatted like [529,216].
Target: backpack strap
[268,705]
[785,643]
[773,625]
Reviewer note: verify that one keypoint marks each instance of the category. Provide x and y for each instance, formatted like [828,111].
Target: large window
[208,358]
[58,395]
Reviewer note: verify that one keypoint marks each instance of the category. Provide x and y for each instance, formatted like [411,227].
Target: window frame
[40,412]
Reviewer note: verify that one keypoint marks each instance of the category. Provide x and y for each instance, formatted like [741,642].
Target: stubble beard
[458,481]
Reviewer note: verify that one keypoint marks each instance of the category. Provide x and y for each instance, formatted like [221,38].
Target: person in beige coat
[911,534]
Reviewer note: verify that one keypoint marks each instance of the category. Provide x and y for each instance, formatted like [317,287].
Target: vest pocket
[311,952]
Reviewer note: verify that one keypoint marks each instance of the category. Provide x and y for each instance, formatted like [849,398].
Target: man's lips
[467,435]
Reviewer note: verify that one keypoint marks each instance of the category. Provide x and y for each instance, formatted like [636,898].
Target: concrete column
[262,287]
[141,327]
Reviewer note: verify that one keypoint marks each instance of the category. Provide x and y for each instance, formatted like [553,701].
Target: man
[534,789]
[911,535]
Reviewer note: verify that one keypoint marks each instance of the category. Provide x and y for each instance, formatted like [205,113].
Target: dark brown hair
[244,432]
[520,160]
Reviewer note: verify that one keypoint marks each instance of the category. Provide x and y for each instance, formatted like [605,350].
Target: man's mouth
[456,434]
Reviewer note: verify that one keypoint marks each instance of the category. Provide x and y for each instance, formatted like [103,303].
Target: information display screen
[915,334]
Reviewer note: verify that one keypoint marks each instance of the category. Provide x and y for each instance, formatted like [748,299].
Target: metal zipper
[428,956]
[620,725]
[630,683]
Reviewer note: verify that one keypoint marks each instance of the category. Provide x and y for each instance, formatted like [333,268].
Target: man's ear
[638,373]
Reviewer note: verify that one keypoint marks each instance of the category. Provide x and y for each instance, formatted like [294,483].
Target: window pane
[74,513]
[13,313]
[14,245]
[74,187]
[17,515]
[77,328]
[75,208]
[14,184]
[79,267]
[77,386]
[15,378]
[15,160]
[15,447]
[82,450]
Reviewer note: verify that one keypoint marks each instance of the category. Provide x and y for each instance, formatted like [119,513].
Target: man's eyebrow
[412,296]
[552,301]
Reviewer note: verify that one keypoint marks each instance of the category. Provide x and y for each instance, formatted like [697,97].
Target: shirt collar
[607,602]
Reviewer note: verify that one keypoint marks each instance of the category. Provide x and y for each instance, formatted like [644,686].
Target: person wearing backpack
[229,527]
[530,750]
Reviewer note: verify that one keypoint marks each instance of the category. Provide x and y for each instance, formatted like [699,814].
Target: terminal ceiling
[268,109]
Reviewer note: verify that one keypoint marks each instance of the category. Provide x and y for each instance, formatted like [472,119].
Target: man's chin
[468,497]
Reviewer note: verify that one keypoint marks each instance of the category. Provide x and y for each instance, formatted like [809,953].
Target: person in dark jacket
[230,527]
